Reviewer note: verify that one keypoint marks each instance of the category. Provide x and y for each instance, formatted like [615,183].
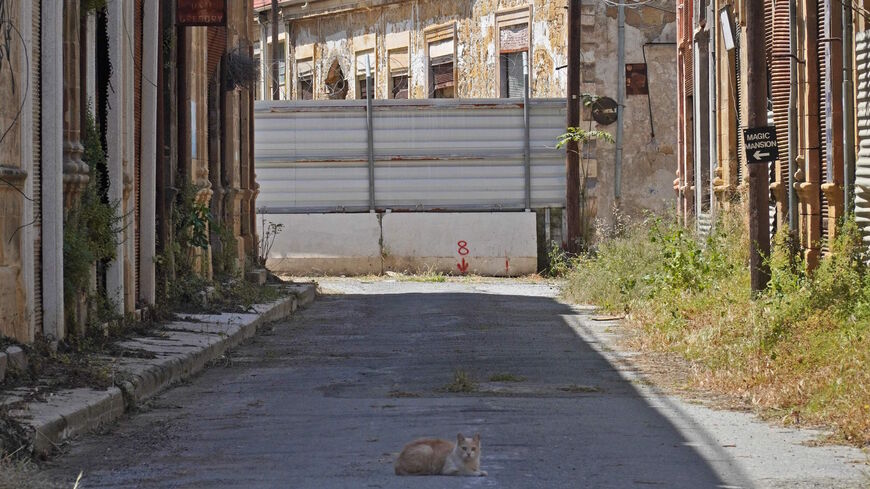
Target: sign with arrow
[760,144]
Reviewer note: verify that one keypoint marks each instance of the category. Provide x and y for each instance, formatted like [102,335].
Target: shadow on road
[327,399]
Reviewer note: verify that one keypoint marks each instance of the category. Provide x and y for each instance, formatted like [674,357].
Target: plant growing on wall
[270,232]
[91,226]
[240,70]
[583,137]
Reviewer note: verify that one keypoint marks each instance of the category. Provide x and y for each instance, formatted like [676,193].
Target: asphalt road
[328,398]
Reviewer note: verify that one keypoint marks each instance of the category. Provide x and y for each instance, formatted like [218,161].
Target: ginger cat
[431,456]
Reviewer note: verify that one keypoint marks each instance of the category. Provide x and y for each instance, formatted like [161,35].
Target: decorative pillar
[75,171]
[51,129]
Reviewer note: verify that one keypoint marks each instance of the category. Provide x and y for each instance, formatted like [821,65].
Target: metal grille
[312,156]
[862,167]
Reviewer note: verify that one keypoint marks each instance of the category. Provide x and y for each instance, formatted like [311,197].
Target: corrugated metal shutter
[35,77]
[217,46]
[137,132]
[512,75]
[862,167]
[823,121]
[688,70]
[740,95]
[780,88]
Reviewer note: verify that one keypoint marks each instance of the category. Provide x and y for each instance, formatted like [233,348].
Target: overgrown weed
[462,382]
[800,349]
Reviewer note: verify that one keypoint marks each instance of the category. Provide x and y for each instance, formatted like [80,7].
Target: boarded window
[514,38]
[399,88]
[512,79]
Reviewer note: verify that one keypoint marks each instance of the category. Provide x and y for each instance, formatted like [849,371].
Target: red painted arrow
[463,267]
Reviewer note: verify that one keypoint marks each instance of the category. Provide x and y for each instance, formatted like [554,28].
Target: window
[514,50]
[512,79]
[399,86]
[335,83]
[398,66]
[305,79]
[441,57]
[513,45]
[362,57]
[282,73]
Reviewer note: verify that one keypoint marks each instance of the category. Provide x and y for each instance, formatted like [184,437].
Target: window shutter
[512,81]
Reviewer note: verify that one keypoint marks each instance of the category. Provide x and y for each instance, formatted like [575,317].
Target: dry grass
[23,474]
[462,382]
[800,353]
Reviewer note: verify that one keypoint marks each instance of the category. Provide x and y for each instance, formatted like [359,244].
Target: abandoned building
[446,57]
[114,105]
[816,58]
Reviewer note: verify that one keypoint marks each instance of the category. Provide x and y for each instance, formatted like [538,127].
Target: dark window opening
[362,88]
[336,83]
[400,86]
[441,77]
[306,88]
[511,75]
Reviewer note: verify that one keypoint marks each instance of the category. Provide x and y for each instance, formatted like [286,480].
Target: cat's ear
[460,438]
[477,437]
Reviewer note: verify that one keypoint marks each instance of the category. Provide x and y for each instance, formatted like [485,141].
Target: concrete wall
[498,244]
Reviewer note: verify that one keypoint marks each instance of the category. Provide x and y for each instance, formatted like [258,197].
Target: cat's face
[468,448]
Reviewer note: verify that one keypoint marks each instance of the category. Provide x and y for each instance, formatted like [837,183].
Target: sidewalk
[184,348]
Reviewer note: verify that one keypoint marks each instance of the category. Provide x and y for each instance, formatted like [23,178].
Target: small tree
[581,137]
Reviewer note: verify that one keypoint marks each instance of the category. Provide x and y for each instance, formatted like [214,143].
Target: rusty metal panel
[450,154]
[862,166]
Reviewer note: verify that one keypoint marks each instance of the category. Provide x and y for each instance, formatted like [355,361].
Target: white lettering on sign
[761,144]
[757,136]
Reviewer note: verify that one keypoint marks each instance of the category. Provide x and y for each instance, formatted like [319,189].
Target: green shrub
[800,346]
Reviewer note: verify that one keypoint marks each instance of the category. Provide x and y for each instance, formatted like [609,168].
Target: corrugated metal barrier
[449,154]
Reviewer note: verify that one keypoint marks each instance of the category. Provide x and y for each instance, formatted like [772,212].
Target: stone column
[75,171]
[51,135]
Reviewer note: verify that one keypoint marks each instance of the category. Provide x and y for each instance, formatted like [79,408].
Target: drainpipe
[527,150]
[714,151]
[620,105]
[370,134]
[792,120]
[849,113]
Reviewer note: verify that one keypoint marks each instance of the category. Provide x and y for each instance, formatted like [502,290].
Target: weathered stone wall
[13,83]
[648,162]
[333,38]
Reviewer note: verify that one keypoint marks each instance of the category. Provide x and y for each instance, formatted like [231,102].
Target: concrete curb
[184,350]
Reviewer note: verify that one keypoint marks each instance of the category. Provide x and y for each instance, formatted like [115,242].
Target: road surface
[327,399]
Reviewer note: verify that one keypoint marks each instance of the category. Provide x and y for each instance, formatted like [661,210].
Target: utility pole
[759,180]
[572,160]
[276,90]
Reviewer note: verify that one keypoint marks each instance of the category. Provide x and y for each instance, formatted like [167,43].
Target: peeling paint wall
[333,38]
